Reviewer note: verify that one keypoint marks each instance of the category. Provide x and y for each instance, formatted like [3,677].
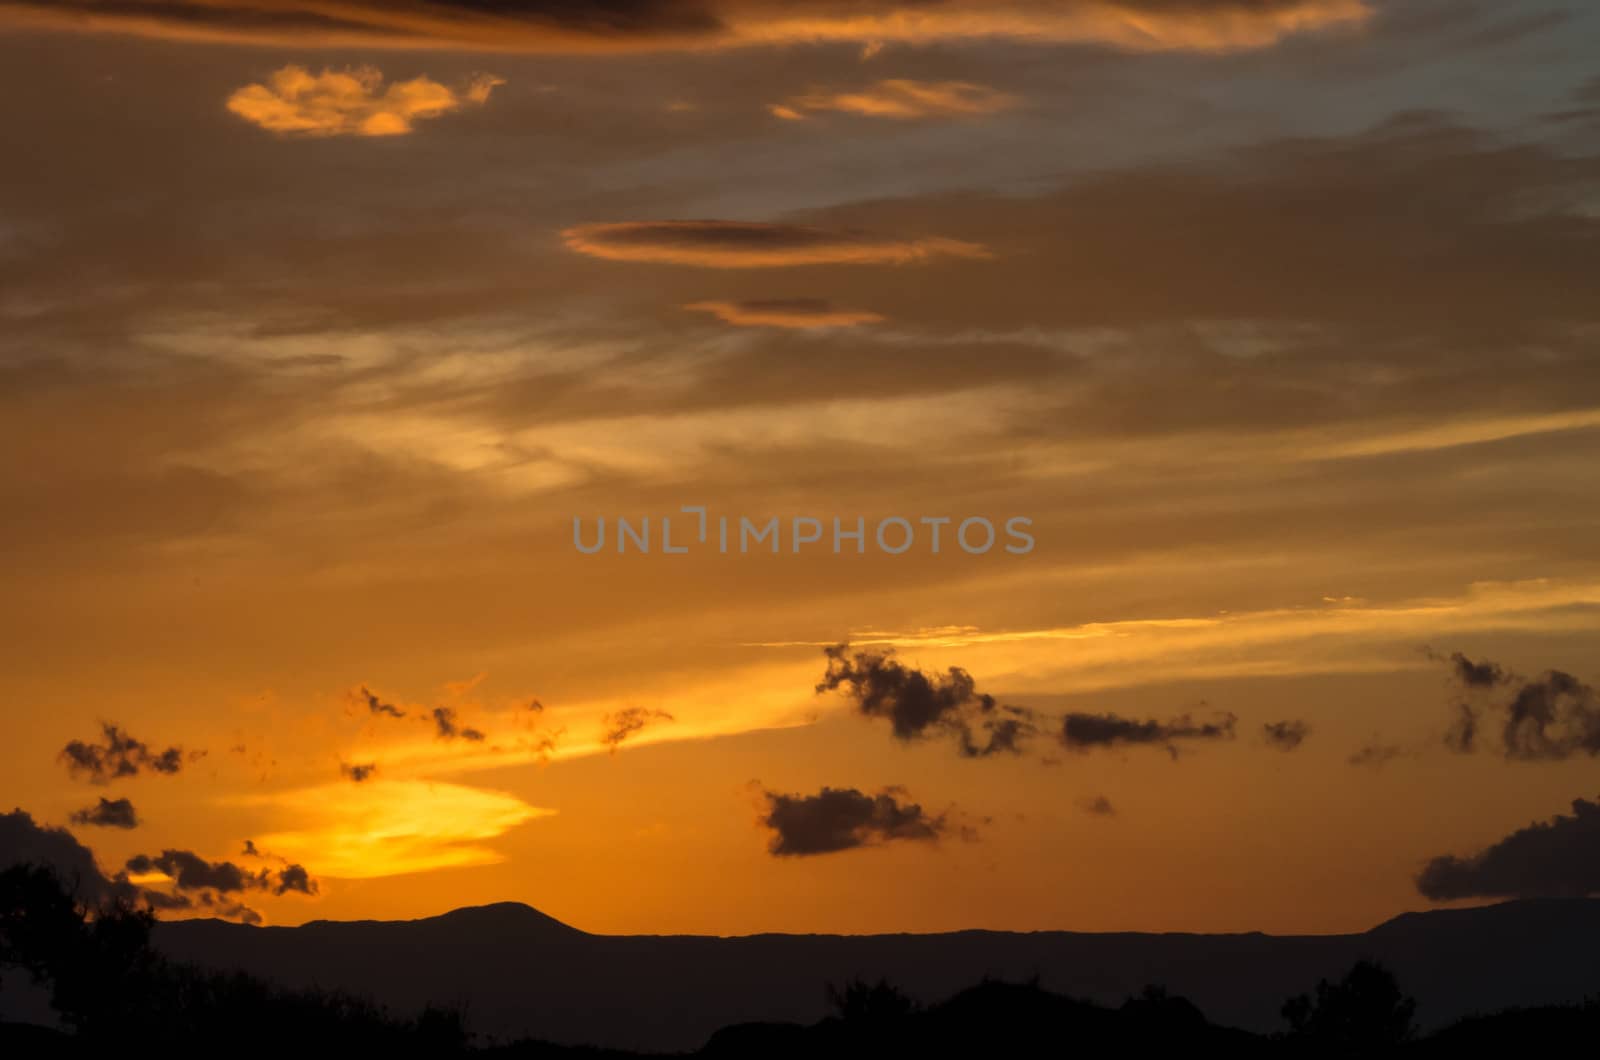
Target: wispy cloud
[901,99]
[752,245]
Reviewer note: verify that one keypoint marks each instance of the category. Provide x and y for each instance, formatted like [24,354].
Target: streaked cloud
[754,245]
[794,313]
[901,99]
[353,102]
[546,26]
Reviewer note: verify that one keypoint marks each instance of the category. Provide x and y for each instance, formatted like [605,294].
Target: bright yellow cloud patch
[353,102]
[391,827]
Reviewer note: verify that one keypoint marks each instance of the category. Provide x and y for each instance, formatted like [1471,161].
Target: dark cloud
[1085,732]
[1559,857]
[602,26]
[1099,806]
[748,245]
[1552,717]
[191,872]
[1462,735]
[295,878]
[920,705]
[1285,735]
[1484,674]
[358,771]
[211,880]
[23,842]
[448,728]
[1376,755]
[842,819]
[378,706]
[109,813]
[118,755]
[624,723]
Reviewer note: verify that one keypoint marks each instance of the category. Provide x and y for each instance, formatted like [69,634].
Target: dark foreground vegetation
[113,991]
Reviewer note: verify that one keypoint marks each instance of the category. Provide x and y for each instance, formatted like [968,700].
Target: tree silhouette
[1362,1014]
[860,1002]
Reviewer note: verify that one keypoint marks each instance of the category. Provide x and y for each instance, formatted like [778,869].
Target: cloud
[109,813]
[1285,735]
[902,100]
[389,827]
[602,26]
[119,755]
[1462,735]
[378,706]
[624,723]
[353,102]
[23,842]
[843,819]
[189,872]
[1560,857]
[751,245]
[1377,755]
[919,705]
[792,313]
[358,771]
[1551,718]
[447,728]
[1085,732]
[1485,674]
[1098,806]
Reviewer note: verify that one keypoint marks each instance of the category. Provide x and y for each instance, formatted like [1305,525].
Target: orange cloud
[547,26]
[748,245]
[352,102]
[902,99]
[795,313]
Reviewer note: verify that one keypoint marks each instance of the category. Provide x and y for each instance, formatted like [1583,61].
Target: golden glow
[389,827]
[351,103]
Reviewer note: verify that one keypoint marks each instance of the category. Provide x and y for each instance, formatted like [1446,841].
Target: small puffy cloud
[117,755]
[447,727]
[109,813]
[624,723]
[355,102]
[1285,735]
[792,313]
[918,705]
[1559,857]
[902,100]
[838,819]
[1376,755]
[1098,806]
[358,772]
[754,245]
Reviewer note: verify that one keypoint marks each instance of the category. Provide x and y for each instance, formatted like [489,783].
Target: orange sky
[1276,320]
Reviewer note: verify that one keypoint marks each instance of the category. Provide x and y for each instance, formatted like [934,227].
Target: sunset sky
[321,321]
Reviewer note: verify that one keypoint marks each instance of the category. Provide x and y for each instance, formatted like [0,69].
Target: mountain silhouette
[517,972]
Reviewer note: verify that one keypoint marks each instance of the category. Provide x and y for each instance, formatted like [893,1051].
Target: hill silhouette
[518,972]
